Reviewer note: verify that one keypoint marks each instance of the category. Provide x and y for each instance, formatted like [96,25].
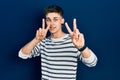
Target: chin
[52,32]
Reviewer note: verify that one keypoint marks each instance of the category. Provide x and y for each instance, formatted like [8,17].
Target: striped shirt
[59,58]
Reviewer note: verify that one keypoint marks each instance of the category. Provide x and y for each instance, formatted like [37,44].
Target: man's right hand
[40,35]
[41,32]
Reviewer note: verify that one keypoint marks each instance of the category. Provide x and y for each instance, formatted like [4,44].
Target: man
[60,51]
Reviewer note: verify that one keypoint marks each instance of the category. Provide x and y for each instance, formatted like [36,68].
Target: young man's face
[55,21]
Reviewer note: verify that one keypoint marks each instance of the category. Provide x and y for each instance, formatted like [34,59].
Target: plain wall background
[99,20]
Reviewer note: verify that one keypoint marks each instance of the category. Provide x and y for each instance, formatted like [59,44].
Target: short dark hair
[53,8]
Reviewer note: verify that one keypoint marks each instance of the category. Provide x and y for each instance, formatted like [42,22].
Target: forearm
[29,46]
[89,58]
[86,53]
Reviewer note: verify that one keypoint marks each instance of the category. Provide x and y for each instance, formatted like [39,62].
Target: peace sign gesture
[41,32]
[77,37]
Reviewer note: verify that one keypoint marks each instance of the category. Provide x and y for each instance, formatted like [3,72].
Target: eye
[55,19]
[48,20]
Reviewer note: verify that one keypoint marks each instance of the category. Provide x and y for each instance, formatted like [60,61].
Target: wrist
[83,48]
[36,40]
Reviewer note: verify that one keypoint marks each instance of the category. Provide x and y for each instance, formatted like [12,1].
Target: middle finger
[74,24]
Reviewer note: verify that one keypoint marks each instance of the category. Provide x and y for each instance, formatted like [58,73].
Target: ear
[62,21]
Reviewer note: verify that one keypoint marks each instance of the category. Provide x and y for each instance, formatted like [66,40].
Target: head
[54,18]
[54,9]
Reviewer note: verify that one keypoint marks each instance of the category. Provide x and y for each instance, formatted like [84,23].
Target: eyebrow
[53,18]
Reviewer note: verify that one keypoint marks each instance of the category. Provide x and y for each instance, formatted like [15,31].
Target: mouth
[52,28]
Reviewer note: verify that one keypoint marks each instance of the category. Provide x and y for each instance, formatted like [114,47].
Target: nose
[51,22]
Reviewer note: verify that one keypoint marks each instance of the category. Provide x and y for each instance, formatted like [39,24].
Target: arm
[40,35]
[87,56]
[27,49]
[29,46]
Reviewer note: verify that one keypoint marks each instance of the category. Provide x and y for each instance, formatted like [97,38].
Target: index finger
[68,28]
[43,23]
[48,26]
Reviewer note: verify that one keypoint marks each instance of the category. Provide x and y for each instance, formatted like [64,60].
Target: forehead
[53,15]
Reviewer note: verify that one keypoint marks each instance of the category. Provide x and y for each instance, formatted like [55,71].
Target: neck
[58,35]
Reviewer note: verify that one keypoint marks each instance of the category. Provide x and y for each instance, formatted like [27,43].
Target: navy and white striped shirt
[59,58]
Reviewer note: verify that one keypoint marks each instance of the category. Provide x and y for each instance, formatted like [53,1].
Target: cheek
[59,23]
[47,23]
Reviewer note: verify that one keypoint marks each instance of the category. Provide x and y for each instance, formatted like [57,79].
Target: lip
[52,28]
